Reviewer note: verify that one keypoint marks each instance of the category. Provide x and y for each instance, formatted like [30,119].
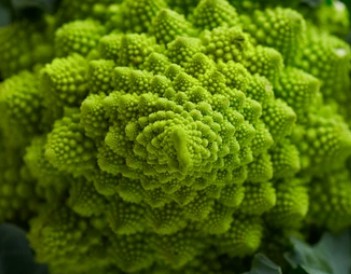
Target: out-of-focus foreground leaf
[262,265]
[312,3]
[32,9]
[5,15]
[25,4]
[15,254]
[330,256]
[11,10]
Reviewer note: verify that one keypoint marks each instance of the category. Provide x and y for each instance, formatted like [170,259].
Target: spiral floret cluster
[164,134]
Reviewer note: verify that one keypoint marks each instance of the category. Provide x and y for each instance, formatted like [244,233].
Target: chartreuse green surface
[157,136]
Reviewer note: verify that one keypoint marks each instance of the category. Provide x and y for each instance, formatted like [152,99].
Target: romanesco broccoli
[166,136]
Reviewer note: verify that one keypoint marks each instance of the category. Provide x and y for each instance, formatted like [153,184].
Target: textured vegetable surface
[164,136]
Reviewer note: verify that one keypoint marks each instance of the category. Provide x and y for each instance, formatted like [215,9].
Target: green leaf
[262,265]
[15,254]
[31,9]
[5,15]
[297,270]
[330,256]
[28,4]
[337,250]
[312,3]
[308,258]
